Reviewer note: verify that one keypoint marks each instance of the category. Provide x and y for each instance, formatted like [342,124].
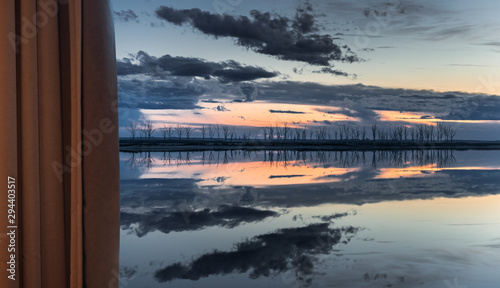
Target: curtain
[59,166]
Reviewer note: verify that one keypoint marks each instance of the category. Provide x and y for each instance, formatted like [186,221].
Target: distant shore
[152,145]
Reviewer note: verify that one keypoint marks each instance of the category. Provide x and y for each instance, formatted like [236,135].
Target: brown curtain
[59,141]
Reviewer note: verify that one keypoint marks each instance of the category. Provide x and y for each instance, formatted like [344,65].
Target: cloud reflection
[167,221]
[289,249]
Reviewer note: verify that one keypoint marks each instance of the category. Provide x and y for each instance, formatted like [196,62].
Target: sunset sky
[255,63]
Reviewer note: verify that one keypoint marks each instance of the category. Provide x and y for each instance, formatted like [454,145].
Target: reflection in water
[269,168]
[285,158]
[278,252]
[166,222]
[265,218]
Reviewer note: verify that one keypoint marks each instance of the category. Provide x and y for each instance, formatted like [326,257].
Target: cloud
[294,39]
[492,43]
[172,93]
[211,101]
[286,111]
[127,272]
[285,176]
[126,16]
[221,108]
[227,71]
[330,70]
[360,100]
[433,21]
[355,112]
[249,91]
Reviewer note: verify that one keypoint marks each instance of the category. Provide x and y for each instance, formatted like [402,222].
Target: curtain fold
[59,141]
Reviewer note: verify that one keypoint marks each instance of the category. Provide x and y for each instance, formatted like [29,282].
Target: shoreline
[157,145]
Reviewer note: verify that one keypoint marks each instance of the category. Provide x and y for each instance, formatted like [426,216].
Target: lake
[423,218]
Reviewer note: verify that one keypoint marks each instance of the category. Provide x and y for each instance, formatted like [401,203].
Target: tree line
[440,132]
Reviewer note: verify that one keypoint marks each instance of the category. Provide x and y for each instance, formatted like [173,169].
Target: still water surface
[310,219]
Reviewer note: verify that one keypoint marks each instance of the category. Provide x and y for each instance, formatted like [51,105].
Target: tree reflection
[284,158]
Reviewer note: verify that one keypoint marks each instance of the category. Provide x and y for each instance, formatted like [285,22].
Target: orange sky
[257,114]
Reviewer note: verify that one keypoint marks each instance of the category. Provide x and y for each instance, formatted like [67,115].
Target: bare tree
[187,130]
[420,130]
[270,129]
[264,130]
[451,132]
[286,131]
[143,132]
[432,133]
[217,130]
[346,131]
[179,130]
[203,131]
[211,131]
[226,131]
[247,136]
[440,131]
[356,133]
[298,132]
[374,131]
[133,129]
[166,131]
[311,134]
[232,134]
[321,133]
[381,135]
[278,131]
[149,130]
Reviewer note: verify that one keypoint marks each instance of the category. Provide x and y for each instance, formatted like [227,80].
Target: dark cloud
[360,100]
[228,71]
[329,218]
[393,8]
[126,16]
[400,18]
[174,93]
[294,39]
[285,176]
[286,111]
[355,112]
[250,91]
[211,101]
[295,249]
[330,70]
[127,272]
[222,108]
[166,221]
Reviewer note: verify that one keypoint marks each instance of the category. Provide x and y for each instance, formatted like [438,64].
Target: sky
[257,63]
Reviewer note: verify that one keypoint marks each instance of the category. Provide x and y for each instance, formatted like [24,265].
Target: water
[310,219]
